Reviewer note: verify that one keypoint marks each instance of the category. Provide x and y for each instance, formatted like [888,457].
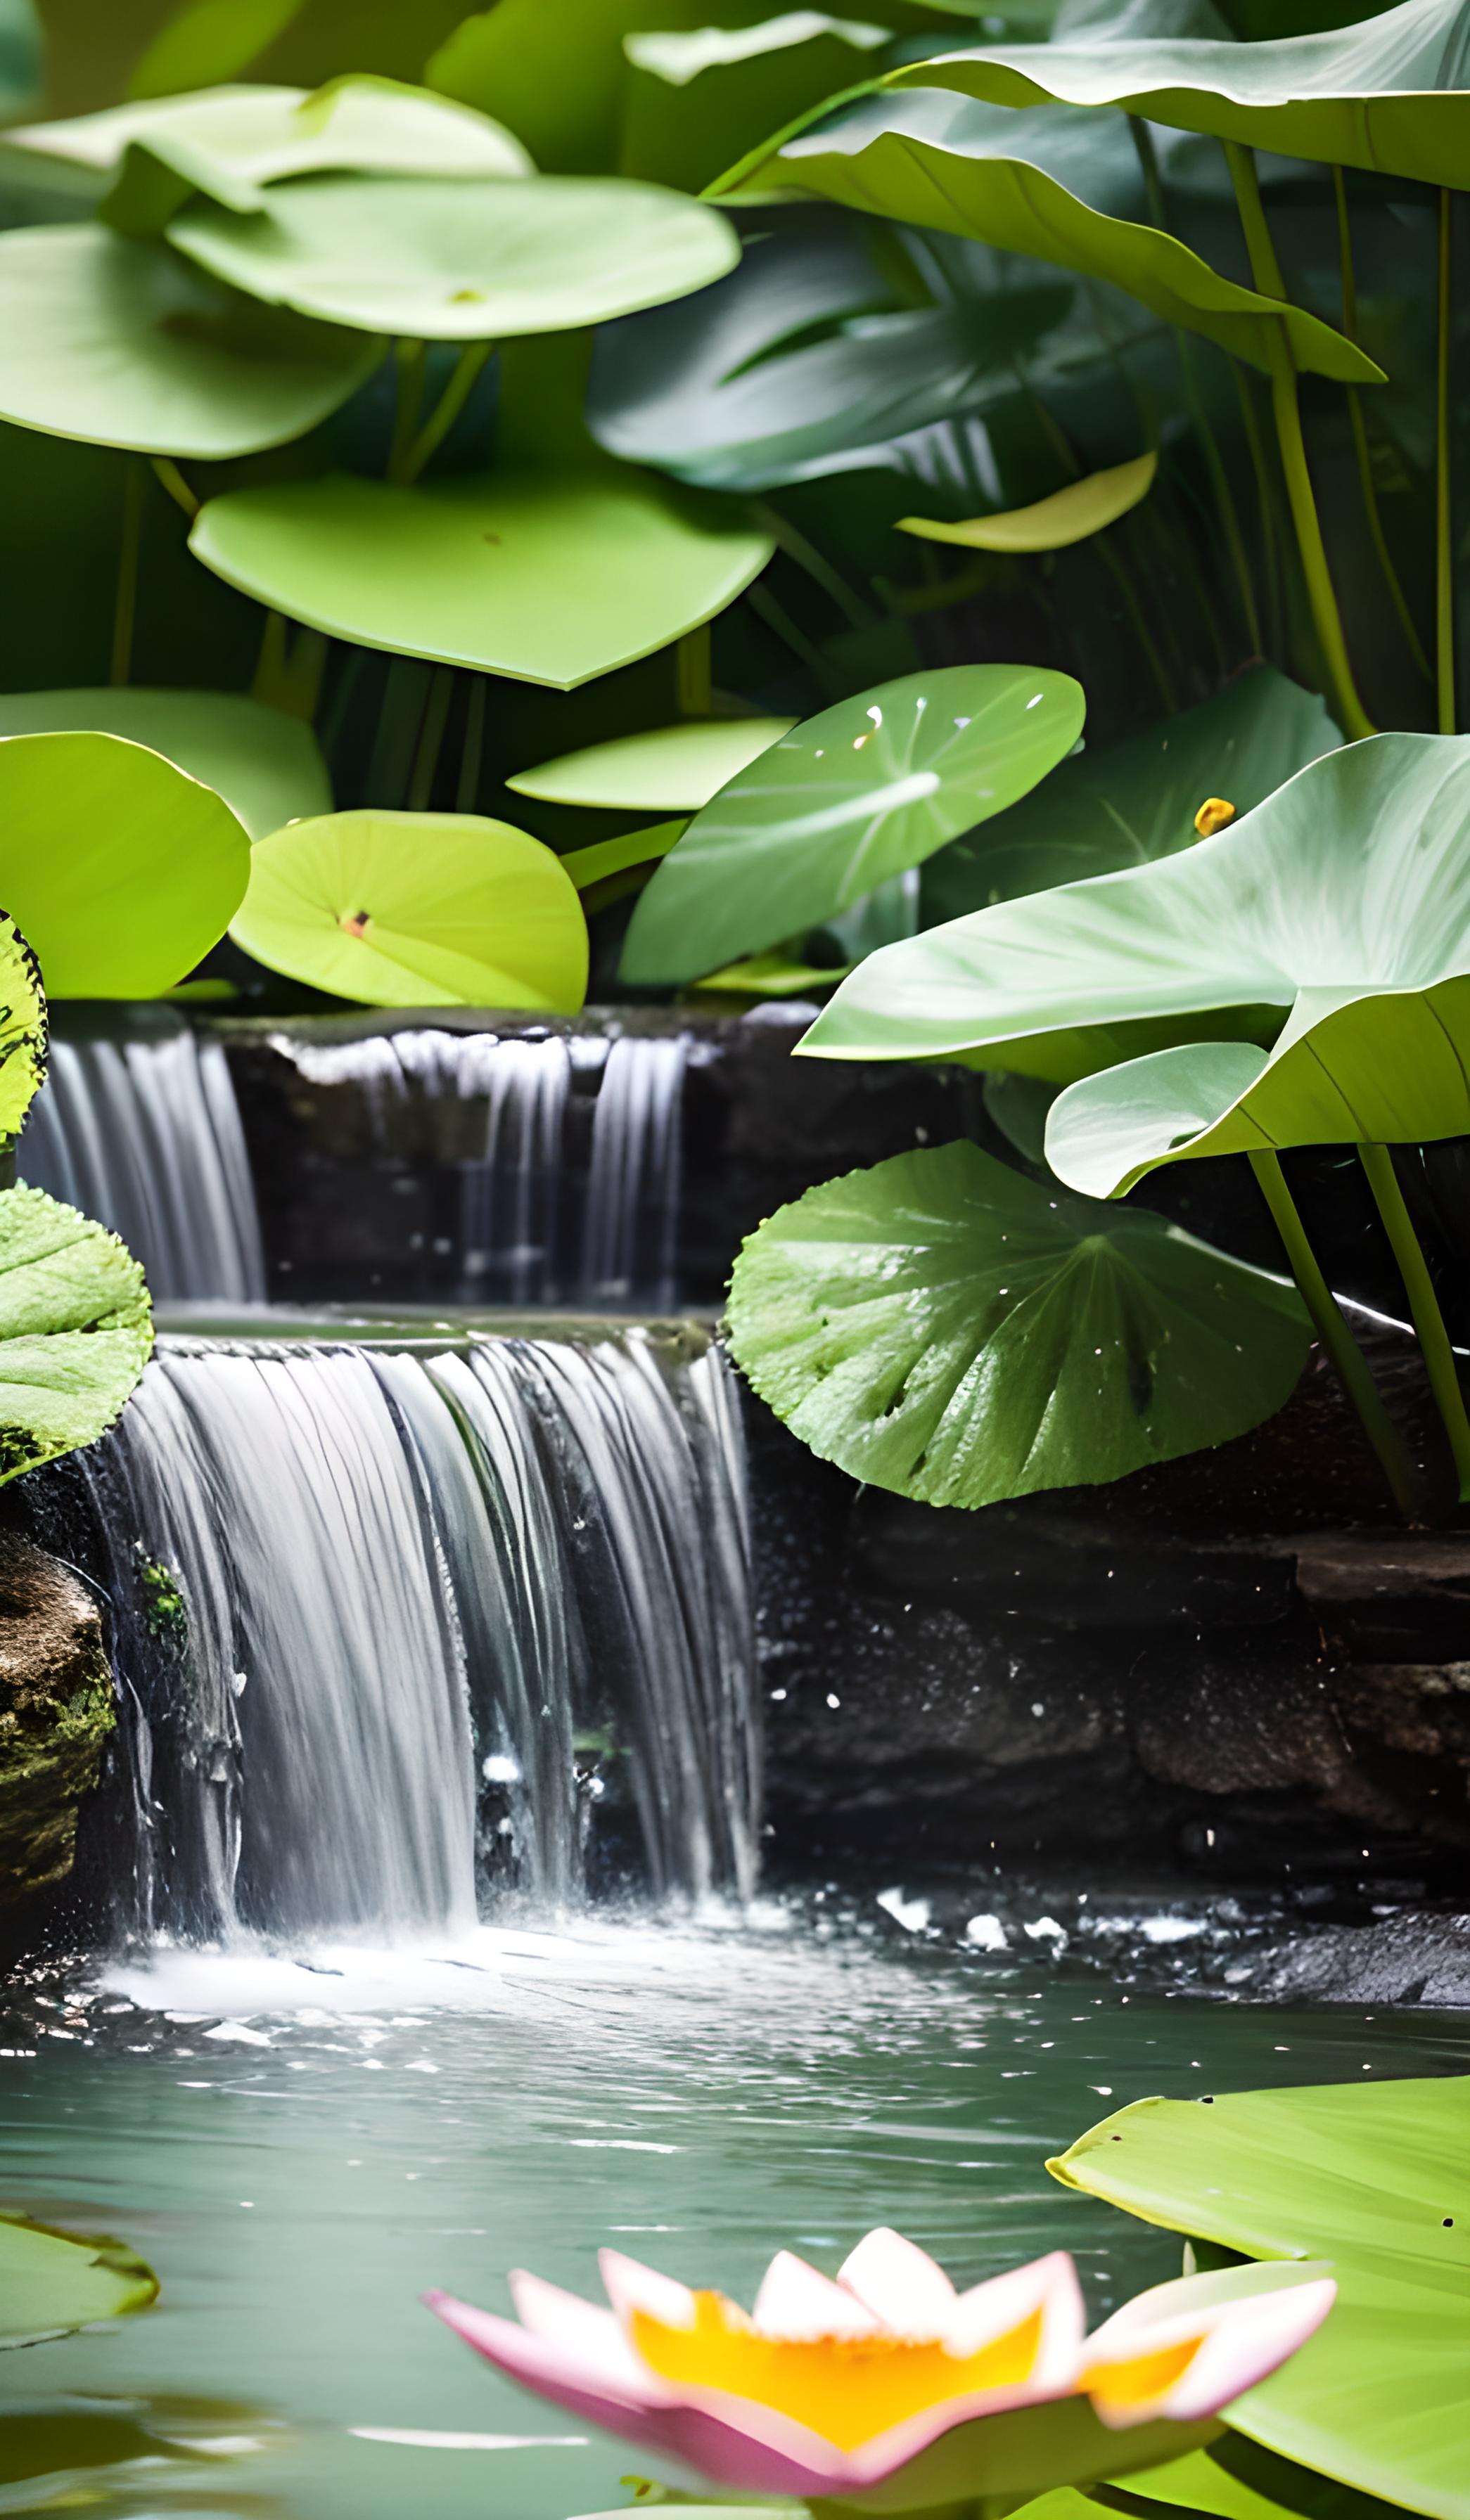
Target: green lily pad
[266,766]
[938,160]
[1126,804]
[670,770]
[462,261]
[417,910]
[947,1329]
[1387,94]
[75,1332]
[121,343]
[51,2281]
[1071,515]
[121,871]
[1372,2177]
[549,577]
[23,1028]
[831,811]
[231,142]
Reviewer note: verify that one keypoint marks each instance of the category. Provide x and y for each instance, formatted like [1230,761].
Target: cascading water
[145,1136]
[432,1607]
[574,1194]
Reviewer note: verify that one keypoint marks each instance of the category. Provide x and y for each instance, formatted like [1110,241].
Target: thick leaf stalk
[1376,534]
[1338,1341]
[1424,1304]
[1287,411]
[1443,496]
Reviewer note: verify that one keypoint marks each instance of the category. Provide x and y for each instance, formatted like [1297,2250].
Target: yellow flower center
[848,2389]
[1119,2387]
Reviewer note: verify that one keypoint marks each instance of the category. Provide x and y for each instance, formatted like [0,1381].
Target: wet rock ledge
[56,1714]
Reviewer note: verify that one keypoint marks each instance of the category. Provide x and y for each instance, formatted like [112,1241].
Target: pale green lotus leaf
[936,160]
[410,910]
[1330,926]
[1070,515]
[1373,2176]
[266,766]
[670,770]
[444,260]
[601,859]
[75,1332]
[859,793]
[771,976]
[548,577]
[1389,94]
[51,2281]
[120,343]
[1125,804]
[23,1028]
[121,871]
[947,1329]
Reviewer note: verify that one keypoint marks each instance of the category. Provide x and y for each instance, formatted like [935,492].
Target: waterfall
[574,1196]
[407,1628]
[145,1136]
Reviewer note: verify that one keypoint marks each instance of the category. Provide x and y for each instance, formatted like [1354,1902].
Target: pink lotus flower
[890,2386]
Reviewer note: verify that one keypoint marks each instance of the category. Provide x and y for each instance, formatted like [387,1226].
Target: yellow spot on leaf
[1212,816]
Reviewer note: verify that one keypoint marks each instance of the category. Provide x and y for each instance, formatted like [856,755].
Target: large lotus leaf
[670,770]
[1236,2479]
[266,766]
[1126,804]
[23,1028]
[417,910]
[694,101]
[121,871]
[853,796]
[1070,515]
[121,343]
[557,72]
[51,2281]
[947,1329]
[462,261]
[549,577]
[1342,903]
[938,160]
[1372,2177]
[75,1332]
[230,141]
[1389,94]
[706,391]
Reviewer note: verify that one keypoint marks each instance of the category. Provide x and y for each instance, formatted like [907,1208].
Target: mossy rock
[56,1713]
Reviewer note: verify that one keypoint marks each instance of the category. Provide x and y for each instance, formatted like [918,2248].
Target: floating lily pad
[1070,515]
[940,161]
[51,2281]
[1126,804]
[120,343]
[266,766]
[1388,95]
[1373,2178]
[947,1329]
[23,1028]
[549,577]
[458,261]
[672,770]
[832,809]
[417,910]
[121,871]
[75,1332]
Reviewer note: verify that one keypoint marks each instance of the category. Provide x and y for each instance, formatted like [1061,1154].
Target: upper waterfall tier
[400,1624]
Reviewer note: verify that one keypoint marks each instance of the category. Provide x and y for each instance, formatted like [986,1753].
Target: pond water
[301,2147]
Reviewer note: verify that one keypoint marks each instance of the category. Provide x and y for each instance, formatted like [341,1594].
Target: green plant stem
[410,359]
[1423,1304]
[1286,408]
[694,672]
[430,739]
[173,481]
[451,402]
[472,752]
[1250,423]
[1219,482]
[770,608]
[1121,579]
[788,538]
[1360,446]
[1336,1337]
[129,555]
[1444,503]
